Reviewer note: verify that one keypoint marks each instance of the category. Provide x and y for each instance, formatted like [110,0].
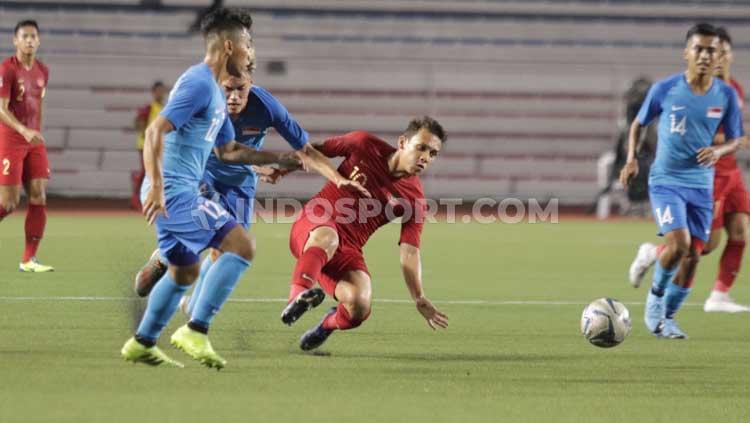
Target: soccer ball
[605,322]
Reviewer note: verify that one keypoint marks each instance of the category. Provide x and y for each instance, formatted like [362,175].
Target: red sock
[36,219]
[340,320]
[729,265]
[3,212]
[307,270]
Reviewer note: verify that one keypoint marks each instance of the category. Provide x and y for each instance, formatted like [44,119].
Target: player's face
[726,57]
[701,54]
[242,55]
[26,40]
[160,93]
[236,91]
[418,152]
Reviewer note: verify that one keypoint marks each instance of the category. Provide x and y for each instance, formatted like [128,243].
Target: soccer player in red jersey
[731,203]
[731,209]
[328,236]
[23,156]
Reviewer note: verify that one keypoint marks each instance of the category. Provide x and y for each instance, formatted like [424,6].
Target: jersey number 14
[677,127]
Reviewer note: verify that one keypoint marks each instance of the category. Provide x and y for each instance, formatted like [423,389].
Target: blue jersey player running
[690,107]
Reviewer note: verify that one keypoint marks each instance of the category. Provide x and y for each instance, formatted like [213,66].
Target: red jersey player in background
[328,236]
[731,202]
[731,209]
[23,156]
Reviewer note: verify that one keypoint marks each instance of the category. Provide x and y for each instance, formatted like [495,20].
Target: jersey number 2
[6,167]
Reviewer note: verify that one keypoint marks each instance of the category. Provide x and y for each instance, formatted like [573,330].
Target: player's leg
[729,265]
[162,304]
[699,219]
[10,196]
[187,304]
[320,245]
[670,212]
[736,221]
[354,293]
[11,177]
[238,203]
[36,221]
[35,177]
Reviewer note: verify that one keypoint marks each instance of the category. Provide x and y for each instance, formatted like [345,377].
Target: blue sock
[219,284]
[662,277]
[675,297]
[162,303]
[198,290]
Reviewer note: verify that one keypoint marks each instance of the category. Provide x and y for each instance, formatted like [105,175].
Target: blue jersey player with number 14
[690,107]
[178,144]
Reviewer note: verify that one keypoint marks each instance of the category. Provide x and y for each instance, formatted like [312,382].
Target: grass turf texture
[59,359]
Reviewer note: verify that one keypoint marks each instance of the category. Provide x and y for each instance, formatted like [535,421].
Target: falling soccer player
[329,234]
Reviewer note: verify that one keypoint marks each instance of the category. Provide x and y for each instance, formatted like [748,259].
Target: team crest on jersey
[249,130]
[714,112]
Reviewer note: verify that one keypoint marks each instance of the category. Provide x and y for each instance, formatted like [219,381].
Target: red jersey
[728,163]
[356,217]
[25,89]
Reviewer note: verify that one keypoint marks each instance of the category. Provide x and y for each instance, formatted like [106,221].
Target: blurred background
[534,94]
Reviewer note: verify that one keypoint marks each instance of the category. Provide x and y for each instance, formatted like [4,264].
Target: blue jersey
[197,109]
[263,111]
[687,123]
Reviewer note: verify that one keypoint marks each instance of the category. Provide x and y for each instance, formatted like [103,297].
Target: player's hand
[350,184]
[269,175]
[32,137]
[289,161]
[708,156]
[628,172]
[154,205]
[435,318]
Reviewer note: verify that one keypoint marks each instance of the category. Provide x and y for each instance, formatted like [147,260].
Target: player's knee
[360,309]
[185,275]
[326,238]
[38,199]
[246,248]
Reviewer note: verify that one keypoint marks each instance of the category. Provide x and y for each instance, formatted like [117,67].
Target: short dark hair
[428,123]
[724,35]
[157,84]
[26,22]
[702,28]
[225,20]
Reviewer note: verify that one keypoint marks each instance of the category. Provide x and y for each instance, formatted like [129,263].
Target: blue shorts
[238,201]
[194,224]
[680,207]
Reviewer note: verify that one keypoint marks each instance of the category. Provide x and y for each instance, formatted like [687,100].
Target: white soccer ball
[605,322]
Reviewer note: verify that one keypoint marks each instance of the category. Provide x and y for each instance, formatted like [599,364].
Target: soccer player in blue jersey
[690,107]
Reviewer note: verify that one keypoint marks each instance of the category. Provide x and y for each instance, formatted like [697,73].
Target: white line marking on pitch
[377,300]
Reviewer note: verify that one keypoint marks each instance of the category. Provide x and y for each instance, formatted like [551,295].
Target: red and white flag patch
[248,130]
[715,112]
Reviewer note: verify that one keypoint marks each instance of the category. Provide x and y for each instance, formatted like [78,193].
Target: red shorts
[20,163]
[348,257]
[730,196]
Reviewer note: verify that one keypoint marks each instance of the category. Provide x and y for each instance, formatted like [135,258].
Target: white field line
[376,300]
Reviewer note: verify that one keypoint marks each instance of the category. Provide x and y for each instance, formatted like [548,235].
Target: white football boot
[644,259]
[723,303]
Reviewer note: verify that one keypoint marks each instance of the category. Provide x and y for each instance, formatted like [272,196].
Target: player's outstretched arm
[6,116]
[630,170]
[314,160]
[411,267]
[238,153]
[153,149]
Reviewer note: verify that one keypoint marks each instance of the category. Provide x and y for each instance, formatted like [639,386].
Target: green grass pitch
[525,362]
